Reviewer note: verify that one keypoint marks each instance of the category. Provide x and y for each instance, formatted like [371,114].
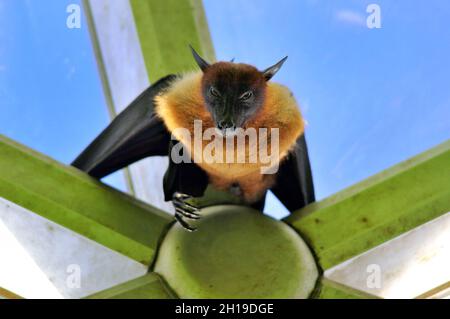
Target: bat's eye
[214,91]
[246,95]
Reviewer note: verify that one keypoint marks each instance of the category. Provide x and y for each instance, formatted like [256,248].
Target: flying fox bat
[225,96]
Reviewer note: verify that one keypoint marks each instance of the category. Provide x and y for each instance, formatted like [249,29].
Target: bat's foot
[184,210]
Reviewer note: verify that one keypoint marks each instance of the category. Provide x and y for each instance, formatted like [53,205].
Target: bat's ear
[201,63]
[270,71]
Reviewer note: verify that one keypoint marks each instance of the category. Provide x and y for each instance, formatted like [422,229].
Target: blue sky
[372,97]
[51,97]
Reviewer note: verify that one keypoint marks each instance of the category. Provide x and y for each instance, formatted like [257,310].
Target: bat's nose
[225,125]
[227,128]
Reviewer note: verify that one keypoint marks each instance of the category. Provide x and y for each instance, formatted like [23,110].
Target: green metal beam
[377,209]
[165,29]
[150,286]
[328,289]
[76,201]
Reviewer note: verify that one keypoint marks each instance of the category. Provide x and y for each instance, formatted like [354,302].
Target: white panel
[127,78]
[405,267]
[41,259]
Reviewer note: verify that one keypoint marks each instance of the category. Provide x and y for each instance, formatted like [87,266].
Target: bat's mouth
[227,132]
[226,128]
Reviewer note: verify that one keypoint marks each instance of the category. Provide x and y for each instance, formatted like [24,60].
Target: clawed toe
[184,224]
[187,214]
[184,210]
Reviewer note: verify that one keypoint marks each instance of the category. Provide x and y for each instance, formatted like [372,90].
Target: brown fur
[183,103]
[226,72]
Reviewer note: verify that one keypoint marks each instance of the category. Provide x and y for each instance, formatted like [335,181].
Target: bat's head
[233,92]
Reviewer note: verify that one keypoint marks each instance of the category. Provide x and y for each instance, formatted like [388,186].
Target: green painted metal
[328,289]
[236,252]
[165,30]
[150,286]
[74,200]
[377,209]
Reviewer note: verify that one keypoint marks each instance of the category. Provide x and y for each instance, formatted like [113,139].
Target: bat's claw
[184,224]
[184,210]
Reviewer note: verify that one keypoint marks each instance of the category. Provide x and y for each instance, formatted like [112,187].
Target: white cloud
[350,17]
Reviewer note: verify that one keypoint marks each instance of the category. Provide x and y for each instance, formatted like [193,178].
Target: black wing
[294,185]
[134,134]
[186,178]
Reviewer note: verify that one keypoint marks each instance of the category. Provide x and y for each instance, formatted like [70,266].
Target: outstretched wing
[134,134]
[294,185]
